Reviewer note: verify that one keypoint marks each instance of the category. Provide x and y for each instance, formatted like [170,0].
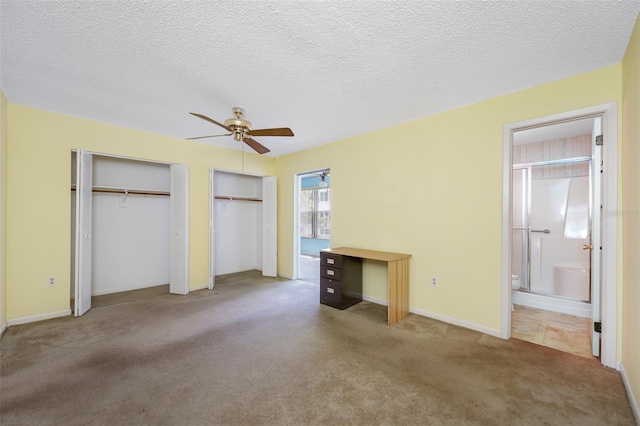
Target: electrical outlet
[434,281]
[51,281]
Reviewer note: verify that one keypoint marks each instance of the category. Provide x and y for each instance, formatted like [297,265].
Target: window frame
[316,214]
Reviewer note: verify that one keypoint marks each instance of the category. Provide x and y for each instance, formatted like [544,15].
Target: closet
[128,226]
[242,219]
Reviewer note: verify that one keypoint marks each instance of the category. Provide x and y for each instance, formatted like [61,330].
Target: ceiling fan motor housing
[239,125]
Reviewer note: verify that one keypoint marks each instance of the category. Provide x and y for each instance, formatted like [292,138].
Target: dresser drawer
[330,290]
[331,273]
[330,260]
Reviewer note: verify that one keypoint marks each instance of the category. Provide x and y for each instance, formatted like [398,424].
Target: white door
[179,200]
[269,226]
[84,185]
[596,236]
[212,231]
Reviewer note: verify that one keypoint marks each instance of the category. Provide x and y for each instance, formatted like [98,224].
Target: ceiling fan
[241,129]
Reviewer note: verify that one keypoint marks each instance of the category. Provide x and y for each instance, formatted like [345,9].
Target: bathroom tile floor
[566,333]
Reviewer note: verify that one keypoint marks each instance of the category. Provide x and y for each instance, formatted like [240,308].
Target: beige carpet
[257,351]
[128,296]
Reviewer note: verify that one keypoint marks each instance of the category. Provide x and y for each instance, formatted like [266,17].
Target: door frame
[609,115]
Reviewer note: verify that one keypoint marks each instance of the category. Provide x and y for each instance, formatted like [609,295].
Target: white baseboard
[449,320]
[39,317]
[455,321]
[632,399]
[375,300]
[3,329]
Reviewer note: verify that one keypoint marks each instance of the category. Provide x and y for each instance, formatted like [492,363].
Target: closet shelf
[237,198]
[125,191]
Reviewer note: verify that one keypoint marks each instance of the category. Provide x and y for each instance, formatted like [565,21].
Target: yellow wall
[38,197]
[631,212]
[3,208]
[433,188]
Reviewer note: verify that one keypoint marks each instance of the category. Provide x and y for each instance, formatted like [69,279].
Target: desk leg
[398,279]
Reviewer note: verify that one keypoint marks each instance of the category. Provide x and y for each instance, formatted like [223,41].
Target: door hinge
[599,140]
[597,327]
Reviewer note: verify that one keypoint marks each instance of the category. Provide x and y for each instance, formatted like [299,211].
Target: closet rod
[126,191]
[230,198]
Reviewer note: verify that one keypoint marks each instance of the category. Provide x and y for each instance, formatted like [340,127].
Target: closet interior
[130,224]
[243,220]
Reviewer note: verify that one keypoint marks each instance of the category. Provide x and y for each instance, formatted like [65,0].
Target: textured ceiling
[328,69]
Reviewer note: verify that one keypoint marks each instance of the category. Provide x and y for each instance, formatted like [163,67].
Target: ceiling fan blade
[203,137]
[204,117]
[259,148]
[279,131]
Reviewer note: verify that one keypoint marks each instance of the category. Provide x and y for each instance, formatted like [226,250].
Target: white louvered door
[269,226]
[84,185]
[179,200]
[212,231]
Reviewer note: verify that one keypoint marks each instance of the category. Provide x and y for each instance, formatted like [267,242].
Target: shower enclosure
[551,247]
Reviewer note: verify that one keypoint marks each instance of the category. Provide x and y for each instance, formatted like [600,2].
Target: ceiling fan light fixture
[323,183]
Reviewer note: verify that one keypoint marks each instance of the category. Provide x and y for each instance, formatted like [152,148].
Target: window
[306,213]
[315,213]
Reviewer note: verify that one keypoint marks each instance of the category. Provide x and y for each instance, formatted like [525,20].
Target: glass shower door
[520,230]
[551,228]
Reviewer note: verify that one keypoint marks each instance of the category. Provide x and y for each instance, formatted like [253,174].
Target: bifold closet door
[212,233]
[84,194]
[269,226]
[179,201]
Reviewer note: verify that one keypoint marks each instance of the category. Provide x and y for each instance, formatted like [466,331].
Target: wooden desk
[397,277]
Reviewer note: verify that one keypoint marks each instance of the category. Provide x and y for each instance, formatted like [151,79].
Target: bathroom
[553,190]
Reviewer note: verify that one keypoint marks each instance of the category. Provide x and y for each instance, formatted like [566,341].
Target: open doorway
[556,187]
[314,222]
[595,254]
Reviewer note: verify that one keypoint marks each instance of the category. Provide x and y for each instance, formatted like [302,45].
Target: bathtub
[572,281]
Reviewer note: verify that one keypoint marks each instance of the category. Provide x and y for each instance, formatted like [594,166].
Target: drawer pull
[329,272]
[330,261]
[330,290]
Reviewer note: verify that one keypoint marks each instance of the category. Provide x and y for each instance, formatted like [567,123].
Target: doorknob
[587,247]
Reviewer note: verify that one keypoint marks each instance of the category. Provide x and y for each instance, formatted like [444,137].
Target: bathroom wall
[557,149]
